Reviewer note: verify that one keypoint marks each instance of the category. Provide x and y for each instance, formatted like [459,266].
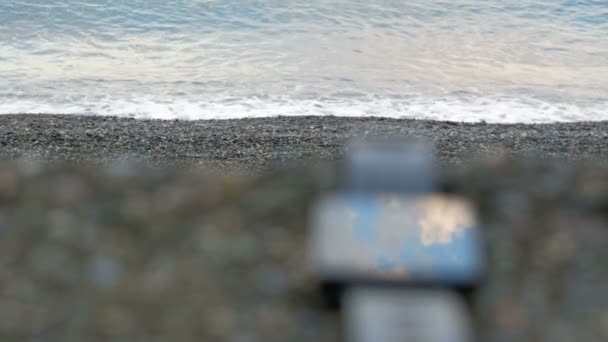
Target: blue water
[463,60]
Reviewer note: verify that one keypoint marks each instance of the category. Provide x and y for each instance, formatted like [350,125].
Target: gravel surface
[257,144]
[122,253]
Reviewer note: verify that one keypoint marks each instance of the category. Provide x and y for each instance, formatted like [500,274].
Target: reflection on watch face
[427,238]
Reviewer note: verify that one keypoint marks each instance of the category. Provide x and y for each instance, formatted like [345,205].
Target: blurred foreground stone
[126,253]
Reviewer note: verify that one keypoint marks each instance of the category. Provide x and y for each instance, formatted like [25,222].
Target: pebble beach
[255,145]
[125,253]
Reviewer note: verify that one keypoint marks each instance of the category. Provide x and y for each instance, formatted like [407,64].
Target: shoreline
[256,144]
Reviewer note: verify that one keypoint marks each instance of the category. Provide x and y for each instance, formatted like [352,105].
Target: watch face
[395,238]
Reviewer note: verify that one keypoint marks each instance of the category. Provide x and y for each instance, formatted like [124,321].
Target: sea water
[460,60]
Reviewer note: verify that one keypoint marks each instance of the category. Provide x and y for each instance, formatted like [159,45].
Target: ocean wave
[514,60]
[491,109]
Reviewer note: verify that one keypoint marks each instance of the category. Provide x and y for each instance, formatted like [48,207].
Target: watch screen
[428,238]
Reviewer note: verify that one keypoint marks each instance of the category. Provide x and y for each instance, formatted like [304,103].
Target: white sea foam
[497,109]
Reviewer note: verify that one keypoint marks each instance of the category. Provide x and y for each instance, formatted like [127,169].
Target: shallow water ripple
[499,61]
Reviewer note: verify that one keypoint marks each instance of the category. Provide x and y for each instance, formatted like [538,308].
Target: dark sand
[257,144]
